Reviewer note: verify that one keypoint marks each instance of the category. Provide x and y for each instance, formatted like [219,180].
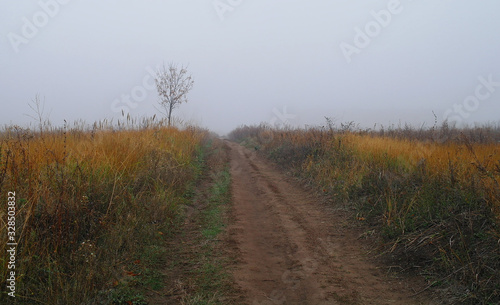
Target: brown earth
[292,248]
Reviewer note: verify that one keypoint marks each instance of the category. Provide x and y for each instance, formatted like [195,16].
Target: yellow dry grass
[98,186]
[436,156]
[464,160]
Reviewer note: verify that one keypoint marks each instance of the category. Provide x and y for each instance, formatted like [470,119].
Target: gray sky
[278,62]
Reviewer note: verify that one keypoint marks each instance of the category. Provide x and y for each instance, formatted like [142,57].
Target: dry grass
[89,200]
[460,162]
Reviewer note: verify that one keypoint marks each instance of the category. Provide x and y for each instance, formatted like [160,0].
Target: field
[139,212]
[431,197]
[93,207]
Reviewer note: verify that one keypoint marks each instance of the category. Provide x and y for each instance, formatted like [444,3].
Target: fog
[280,62]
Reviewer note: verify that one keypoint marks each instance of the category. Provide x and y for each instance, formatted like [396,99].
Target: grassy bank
[211,280]
[93,208]
[434,202]
[198,271]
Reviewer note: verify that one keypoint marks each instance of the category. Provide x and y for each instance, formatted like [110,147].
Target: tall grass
[435,202]
[89,199]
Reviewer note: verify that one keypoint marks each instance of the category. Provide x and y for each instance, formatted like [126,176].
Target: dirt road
[292,249]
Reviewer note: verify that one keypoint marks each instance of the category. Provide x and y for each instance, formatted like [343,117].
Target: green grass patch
[211,278]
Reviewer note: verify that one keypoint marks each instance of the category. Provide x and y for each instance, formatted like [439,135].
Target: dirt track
[292,249]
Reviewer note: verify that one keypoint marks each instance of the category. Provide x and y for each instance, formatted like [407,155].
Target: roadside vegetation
[432,196]
[198,270]
[94,207]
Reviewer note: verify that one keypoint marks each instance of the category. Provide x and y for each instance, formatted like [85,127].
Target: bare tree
[38,107]
[173,84]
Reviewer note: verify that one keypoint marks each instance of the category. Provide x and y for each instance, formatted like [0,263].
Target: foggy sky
[280,62]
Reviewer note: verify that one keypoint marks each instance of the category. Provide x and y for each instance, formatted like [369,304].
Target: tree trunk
[170,113]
